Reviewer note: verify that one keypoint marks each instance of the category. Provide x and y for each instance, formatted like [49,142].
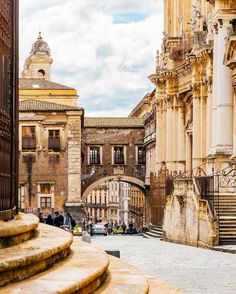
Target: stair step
[159,286]
[228,226]
[152,235]
[21,229]
[227,233]
[227,242]
[156,230]
[227,211]
[82,272]
[23,260]
[123,278]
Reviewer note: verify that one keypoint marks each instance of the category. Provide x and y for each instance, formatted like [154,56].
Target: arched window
[41,73]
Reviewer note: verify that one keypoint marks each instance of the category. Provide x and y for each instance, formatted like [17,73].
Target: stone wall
[188,219]
[61,168]
[106,138]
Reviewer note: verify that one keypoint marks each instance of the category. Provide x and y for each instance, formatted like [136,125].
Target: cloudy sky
[104,48]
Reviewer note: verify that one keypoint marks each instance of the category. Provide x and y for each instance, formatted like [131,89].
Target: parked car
[98,229]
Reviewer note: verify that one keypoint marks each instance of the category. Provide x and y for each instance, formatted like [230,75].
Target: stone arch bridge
[112,149]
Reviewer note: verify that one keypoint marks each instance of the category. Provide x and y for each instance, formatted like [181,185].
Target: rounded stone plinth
[18,230]
[25,259]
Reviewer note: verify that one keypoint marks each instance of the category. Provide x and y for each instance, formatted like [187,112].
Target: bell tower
[38,64]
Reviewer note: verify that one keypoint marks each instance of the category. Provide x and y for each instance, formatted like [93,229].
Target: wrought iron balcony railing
[28,143]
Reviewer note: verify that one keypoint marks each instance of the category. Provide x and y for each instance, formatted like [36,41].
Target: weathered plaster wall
[188,219]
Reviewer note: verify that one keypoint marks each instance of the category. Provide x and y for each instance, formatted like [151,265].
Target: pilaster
[181,136]
[196,117]
[222,97]
[74,203]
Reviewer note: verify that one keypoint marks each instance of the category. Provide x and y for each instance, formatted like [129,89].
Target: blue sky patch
[129,17]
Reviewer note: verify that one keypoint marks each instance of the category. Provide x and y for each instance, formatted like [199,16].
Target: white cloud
[108,62]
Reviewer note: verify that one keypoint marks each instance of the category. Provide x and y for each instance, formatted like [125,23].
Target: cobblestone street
[193,270]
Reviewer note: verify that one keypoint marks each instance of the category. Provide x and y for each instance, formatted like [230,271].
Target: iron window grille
[45,202]
[94,155]
[141,155]
[28,138]
[119,155]
[54,140]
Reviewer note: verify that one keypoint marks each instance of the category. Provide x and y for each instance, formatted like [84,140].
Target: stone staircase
[227,217]
[154,232]
[37,258]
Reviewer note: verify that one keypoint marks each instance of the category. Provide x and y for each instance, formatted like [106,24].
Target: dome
[40,46]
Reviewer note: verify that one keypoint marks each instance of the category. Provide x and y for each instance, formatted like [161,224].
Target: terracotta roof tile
[120,122]
[44,106]
[35,84]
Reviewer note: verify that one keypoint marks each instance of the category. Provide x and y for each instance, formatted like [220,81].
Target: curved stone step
[157,286]
[18,230]
[83,271]
[151,234]
[23,260]
[123,278]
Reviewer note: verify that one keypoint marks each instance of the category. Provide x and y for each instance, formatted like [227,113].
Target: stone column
[224,142]
[209,107]
[181,137]
[164,131]
[203,106]
[175,145]
[74,203]
[169,134]
[196,118]
[234,127]
[214,94]
[159,131]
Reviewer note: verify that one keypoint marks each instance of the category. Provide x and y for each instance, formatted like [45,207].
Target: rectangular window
[28,138]
[141,155]
[45,188]
[45,202]
[54,140]
[94,155]
[119,155]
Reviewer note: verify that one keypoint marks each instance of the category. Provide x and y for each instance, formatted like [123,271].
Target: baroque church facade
[195,102]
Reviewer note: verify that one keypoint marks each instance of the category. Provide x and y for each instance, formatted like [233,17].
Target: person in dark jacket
[58,220]
[49,220]
[41,218]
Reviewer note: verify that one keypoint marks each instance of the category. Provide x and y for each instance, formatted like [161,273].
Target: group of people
[58,220]
[120,229]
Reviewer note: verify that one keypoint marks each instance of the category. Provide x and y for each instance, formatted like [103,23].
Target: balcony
[113,204]
[136,210]
[96,205]
[54,144]
[28,143]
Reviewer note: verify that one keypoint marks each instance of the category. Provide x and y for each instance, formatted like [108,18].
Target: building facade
[50,128]
[195,118]
[97,205]
[46,154]
[109,203]
[8,108]
[137,208]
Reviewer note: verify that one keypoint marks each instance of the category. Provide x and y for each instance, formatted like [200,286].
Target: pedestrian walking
[58,220]
[124,227]
[49,220]
[41,218]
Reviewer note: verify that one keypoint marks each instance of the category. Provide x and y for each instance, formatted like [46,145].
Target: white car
[99,229]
